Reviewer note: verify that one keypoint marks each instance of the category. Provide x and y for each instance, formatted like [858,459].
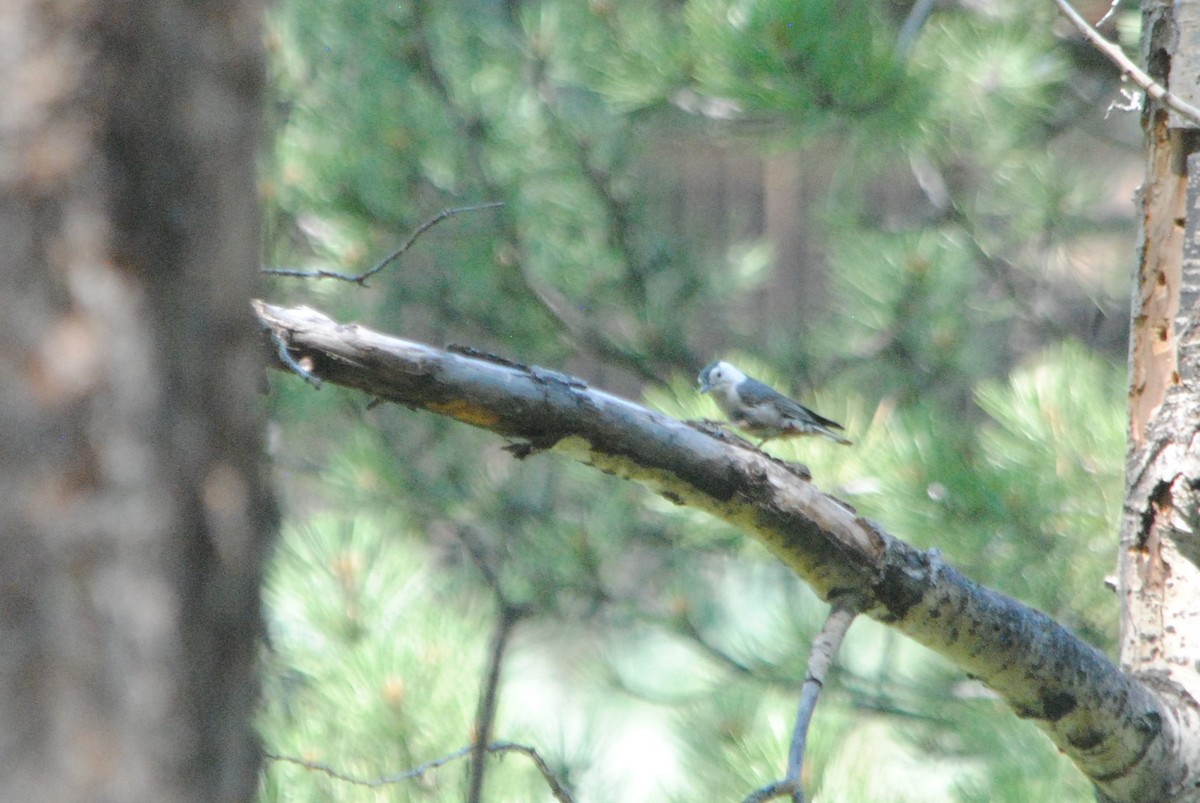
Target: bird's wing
[754,392]
[820,419]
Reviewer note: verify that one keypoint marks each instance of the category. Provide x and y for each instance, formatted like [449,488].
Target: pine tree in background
[911,237]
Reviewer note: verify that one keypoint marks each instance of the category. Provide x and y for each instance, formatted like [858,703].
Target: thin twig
[556,788]
[912,25]
[408,775]
[560,792]
[820,657]
[475,551]
[1112,9]
[824,648]
[485,717]
[361,278]
[287,359]
[509,614]
[770,792]
[1125,65]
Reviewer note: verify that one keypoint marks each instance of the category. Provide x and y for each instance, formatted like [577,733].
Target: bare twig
[1125,65]
[912,25]
[361,278]
[770,792]
[825,646]
[1112,9]
[485,717]
[477,552]
[287,359]
[408,775]
[556,787]
[509,614]
[820,657]
[560,792]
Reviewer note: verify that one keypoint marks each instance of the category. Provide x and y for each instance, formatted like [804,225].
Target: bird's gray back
[754,393]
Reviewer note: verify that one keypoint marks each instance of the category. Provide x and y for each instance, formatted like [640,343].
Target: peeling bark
[1159,570]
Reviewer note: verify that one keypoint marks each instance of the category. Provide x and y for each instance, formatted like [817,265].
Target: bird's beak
[705,387]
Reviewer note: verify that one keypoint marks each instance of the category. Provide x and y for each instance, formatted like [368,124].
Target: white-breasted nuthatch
[760,409]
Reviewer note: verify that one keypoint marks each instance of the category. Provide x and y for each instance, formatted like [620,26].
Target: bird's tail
[833,436]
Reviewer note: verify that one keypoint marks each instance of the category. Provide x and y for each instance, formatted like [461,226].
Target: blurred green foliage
[921,242]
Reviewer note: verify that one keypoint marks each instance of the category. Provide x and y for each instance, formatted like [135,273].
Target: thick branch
[1114,728]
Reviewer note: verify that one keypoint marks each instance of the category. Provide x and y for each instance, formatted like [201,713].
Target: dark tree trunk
[134,511]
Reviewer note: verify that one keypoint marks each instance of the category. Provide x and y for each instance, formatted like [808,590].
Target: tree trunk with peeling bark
[1159,559]
[134,508]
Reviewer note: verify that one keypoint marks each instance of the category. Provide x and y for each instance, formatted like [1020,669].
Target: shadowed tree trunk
[134,513]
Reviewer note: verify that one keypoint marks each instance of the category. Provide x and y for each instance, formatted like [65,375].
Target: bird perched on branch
[760,409]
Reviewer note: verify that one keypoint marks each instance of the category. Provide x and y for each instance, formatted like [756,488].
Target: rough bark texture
[1104,720]
[133,508]
[1160,553]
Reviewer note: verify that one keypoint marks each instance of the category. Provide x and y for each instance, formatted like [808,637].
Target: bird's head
[719,375]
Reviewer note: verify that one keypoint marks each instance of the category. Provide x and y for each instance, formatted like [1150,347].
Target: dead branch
[1119,732]
[361,278]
